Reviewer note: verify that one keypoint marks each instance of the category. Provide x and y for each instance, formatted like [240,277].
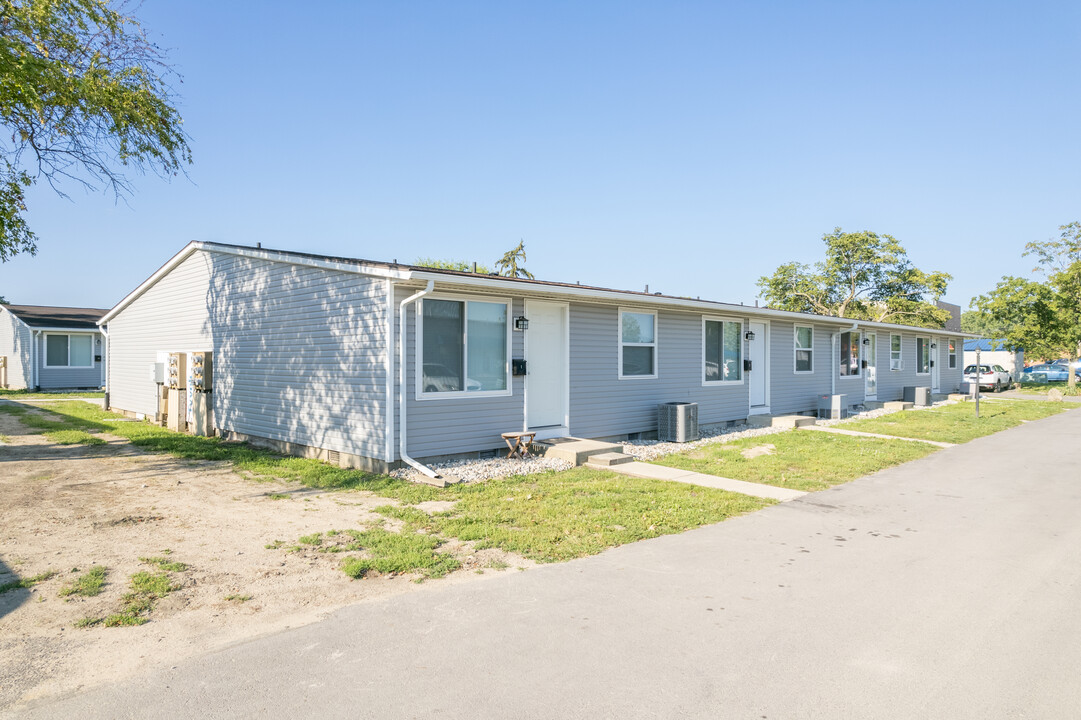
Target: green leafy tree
[84,95]
[980,323]
[458,265]
[508,264]
[1043,316]
[864,276]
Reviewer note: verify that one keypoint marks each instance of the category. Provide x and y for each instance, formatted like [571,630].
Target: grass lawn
[546,517]
[31,395]
[1031,388]
[958,423]
[799,460]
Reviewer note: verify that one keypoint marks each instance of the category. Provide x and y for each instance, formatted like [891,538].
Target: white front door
[934,350]
[547,380]
[758,375]
[870,391]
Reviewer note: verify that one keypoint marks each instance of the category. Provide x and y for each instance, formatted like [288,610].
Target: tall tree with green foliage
[864,276]
[979,323]
[1043,316]
[508,264]
[84,95]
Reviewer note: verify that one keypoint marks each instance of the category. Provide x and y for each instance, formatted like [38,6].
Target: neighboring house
[51,347]
[308,353]
[994,352]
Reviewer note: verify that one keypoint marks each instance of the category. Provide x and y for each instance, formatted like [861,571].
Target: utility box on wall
[202,384]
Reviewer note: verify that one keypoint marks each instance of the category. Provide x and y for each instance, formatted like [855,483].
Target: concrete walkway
[857,433]
[663,472]
[947,587]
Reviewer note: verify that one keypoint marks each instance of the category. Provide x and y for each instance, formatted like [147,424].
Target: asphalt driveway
[948,587]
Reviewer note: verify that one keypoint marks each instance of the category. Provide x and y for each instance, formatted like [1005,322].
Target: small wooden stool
[519,443]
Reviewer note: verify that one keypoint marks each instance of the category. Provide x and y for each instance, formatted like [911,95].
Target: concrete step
[962,397]
[574,450]
[608,459]
[897,405]
[780,421]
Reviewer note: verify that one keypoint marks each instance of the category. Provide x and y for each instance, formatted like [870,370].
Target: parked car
[1047,372]
[991,377]
[1076,364]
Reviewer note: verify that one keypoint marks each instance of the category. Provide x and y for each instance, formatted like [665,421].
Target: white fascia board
[617,296]
[18,319]
[85,331]
[915,329]
[259,254]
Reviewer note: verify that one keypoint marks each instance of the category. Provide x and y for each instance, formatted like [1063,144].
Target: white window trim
[927,354]
[655,345]
[69,366]
[742,375]
[418,348]
[859,367]
[796,348]
[900,352]
[951,357]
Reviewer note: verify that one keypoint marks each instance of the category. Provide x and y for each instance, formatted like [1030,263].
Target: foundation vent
[334,457]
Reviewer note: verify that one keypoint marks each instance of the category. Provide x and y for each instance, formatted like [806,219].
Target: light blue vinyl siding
[792,392]
[15,340]
[298,351]
[51,378]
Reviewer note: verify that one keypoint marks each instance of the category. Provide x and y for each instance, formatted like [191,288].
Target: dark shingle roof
[43,316]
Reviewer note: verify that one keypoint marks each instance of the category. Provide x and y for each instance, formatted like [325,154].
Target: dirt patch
[758,451]
[436,506]
[68,508]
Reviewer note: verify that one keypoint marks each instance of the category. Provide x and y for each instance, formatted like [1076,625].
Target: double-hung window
[895,353]
[637,344]
[923,356]
[464,348]
[952,353]
[850,354]
[722,351]
[805,340]
[69,351]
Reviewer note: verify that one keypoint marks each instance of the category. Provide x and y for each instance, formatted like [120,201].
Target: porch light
[521,323]
[749,335]
[934,345]
[867,341]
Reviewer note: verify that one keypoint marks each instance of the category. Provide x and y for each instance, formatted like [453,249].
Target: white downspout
[34,360]
[401,383]
[104,330]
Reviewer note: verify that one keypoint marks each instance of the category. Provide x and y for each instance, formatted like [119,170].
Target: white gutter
[401,380]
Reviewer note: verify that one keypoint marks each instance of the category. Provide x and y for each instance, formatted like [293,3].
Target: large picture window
[805,341]
[722,351]
[850,354]
[923,356]
[895,353]
[69,351]
[463,347]
[637,344]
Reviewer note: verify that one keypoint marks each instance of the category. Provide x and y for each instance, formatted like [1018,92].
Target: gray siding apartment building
[308,354]
[51,347]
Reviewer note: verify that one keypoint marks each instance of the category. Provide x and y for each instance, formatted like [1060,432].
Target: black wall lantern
[934,345]
[521,323]
[867,341]
[749,336]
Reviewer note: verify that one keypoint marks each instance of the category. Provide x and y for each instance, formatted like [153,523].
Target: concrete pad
[605,460]
[857,433]
[662,472]
[575,450]
[959,397]
[897,405]
[780,421]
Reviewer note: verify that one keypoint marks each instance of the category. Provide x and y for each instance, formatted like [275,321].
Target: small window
[637,344]
[72,351]
[805,341]
[464,347]
[923,356]
[723,351]
[850,354]
[896,363]
[952,357]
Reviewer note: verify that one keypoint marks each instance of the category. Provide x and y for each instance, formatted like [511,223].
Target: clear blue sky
[690,146]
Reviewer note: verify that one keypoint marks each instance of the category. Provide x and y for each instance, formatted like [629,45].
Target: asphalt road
[946,588]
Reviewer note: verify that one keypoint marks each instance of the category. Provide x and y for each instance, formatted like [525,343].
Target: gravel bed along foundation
[487,468]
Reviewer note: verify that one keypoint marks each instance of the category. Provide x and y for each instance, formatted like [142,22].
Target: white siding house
[51,347]
[310,354]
